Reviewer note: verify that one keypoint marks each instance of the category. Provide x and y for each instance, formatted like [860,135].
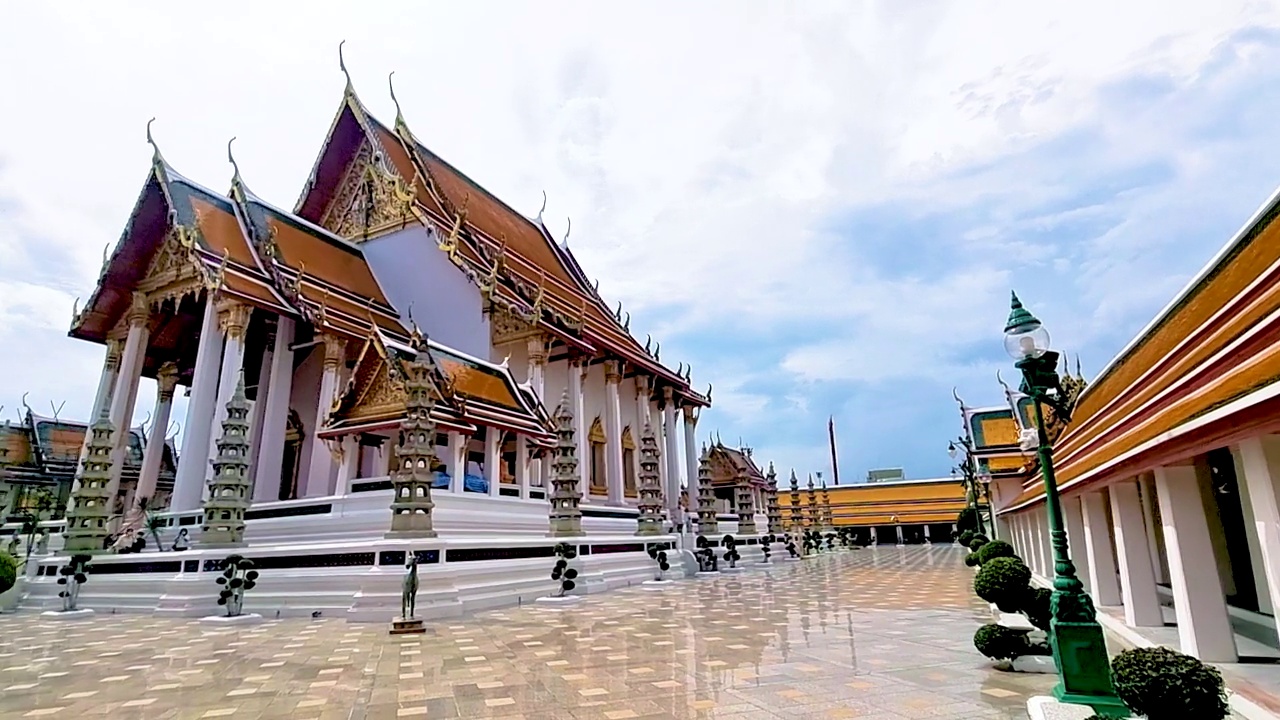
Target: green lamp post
[968,468]
[1079,649]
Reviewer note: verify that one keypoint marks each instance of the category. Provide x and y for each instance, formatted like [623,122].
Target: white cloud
[704,151]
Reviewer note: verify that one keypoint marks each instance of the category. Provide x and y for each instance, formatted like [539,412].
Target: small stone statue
[13,546]
[409,591]
[123,541]
[181,542]
[42,542]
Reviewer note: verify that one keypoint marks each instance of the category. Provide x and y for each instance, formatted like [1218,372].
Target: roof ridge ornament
[156,157]
[400,122]
[544,206]
[342,65]
[237,183]
[568,229]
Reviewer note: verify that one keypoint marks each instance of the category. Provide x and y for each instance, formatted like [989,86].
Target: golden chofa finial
[235,167]
[400,123]
[342,65]
[156,157]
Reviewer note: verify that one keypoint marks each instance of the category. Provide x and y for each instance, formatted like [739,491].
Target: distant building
[886,475]
[41,453]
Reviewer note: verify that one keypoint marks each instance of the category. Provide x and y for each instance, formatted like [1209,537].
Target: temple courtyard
[882,633]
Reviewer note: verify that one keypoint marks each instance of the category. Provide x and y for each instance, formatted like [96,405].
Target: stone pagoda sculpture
[797,511]
[229,487]
[815,518]
[87,518]
[707,523]
[566,515]
[650,489]
[772,511]
[416,453]
[746,506]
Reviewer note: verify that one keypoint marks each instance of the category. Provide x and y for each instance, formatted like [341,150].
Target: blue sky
[822,207]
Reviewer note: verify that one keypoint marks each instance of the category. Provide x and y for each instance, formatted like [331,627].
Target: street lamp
[1079,648]
[969,478]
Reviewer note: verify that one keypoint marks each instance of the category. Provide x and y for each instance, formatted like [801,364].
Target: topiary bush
[1003,582]
[1035,605]
[8,572]
[994,549]
[1162,684]
[965,538]
[967,521]
[971,559]
[977,541]
[1001,643]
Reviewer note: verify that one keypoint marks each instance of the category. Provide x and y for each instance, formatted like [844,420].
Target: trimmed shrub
[971,559]
[1162,684]
[977,541]
[1035,605]
[1003,582]
[967,521]
[965,538]
[8,571]
[994,549]
[1001,643]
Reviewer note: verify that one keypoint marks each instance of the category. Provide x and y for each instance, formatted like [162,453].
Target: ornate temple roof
[511,257]
[43,449]
[728,465]
[470,392]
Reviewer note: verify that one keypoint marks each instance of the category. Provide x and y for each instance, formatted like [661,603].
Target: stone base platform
[408,626]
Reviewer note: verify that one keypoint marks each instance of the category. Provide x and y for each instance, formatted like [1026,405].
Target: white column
[349,468]
[613,432]
[194,458]
[493,459]
[1147,487]
[275,415]
[577,373]
[1204,627]
[320,469]
[1259,469]
[101,402]
[1097,540]
[540,470]
[166,381]
[259,409]
[690,453]
[1137,579]
[1073,518]
[522,466]
[233,321]
[672,450]
[135,352]
[1254,530]
[1048,566]
[456,461]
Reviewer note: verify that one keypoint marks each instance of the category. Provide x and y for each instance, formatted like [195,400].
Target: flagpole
[835,465]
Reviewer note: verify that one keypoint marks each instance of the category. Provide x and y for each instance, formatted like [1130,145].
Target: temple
[390,258]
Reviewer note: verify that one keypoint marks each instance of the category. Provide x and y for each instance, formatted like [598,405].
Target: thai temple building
[392,271]
[38,458]
[1169,467]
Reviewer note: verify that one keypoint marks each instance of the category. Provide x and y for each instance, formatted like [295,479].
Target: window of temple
[628,464]
[596,438]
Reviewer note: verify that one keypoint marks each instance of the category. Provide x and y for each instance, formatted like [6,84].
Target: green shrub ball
[994,549]
[977,541]
[965,538]
[999,642]
[1162,684]
[971,559]
[8,571]
[1035,605]
[1003,582]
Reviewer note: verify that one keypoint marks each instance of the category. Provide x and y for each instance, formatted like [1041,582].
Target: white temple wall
[517,356]
[303,399]
[417,277]
[555,378]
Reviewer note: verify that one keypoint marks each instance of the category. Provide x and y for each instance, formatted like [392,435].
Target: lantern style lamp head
[1025,338]
[951,450]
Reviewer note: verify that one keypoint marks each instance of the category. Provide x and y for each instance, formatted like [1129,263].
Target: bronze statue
[409,592]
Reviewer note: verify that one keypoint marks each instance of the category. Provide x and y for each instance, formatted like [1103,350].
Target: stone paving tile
[882,633]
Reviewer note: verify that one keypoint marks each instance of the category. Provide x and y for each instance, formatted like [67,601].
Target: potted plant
[766,547]
[1162,684]
[660,557]
[731,554]
[237,576]
[71,576]
[706,555]
[151,522]
[562,572]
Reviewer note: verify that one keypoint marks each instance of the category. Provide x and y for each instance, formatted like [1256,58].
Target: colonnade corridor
[882,632]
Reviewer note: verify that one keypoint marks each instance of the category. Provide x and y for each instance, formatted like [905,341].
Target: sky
[822,206]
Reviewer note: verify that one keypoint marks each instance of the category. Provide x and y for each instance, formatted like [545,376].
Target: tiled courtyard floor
[881,633]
